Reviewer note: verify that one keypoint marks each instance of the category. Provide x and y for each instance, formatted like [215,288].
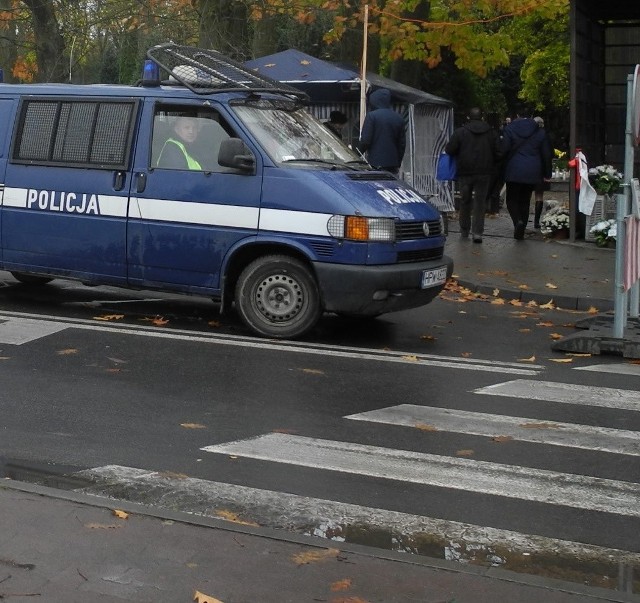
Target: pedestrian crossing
[565,490]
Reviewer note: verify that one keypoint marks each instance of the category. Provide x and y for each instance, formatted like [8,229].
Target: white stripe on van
[165,210]
[15,197]
[280,220]
[110,205]
[189,212]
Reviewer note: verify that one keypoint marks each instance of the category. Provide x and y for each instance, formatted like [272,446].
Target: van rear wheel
[31,279]
[277,296]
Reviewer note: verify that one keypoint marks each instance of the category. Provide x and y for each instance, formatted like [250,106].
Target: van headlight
[358,228]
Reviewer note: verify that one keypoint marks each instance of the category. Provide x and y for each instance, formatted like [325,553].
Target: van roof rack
[205,71]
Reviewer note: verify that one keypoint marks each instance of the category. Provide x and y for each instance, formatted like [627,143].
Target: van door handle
[118,181]
[141,182]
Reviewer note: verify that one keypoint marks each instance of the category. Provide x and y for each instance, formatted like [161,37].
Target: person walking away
[475,146]
[528,154]
[336,122]
[497,178]
[383,137]
[541,186]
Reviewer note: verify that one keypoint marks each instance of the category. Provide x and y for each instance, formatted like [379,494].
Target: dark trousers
[473,200]
[518,200]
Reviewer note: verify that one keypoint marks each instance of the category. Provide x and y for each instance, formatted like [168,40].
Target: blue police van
[260,206]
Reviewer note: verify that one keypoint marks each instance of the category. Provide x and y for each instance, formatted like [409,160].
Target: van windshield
[295,136]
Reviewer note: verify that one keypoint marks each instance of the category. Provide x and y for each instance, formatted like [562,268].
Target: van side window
[75,133]
[185,140]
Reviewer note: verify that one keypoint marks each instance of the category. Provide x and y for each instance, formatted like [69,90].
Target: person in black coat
[383,137]
[528,155]
[475,146]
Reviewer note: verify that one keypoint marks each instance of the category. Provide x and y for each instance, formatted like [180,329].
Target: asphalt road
[106,383]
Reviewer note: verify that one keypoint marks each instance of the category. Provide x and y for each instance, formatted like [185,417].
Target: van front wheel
[277,296]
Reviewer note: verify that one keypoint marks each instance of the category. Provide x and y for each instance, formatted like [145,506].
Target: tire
[31,279]
[277,296]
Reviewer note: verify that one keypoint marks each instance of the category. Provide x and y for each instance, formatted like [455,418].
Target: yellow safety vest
[192,164]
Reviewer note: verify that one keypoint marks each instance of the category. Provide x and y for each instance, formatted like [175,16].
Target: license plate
[437,276]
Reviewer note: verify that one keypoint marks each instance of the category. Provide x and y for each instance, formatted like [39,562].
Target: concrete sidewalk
[575,275]
[66,547]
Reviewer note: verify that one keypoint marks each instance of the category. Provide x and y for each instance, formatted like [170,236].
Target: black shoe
[477,239]
[518,233]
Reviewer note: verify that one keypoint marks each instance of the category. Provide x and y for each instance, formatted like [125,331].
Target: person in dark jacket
[475,145]
[383,137]
[528,155]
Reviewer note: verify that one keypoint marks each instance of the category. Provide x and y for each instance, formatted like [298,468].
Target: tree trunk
[49,42]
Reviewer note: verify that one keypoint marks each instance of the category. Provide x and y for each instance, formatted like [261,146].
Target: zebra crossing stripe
[624,368]
[551,487]
[572,435]
[567,393]
[315,515]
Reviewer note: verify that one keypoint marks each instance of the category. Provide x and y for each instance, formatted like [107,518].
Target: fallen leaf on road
[549,305]
[234,517]
[551,286]
[120,514]
[561,359]
[556,336]
[524,330]
[501,439]
[425,427]
[312,371]
[199,597]
[314,556]
[214,323]
[411,358]
[67,352]
[193,425]
[516,302]
[428,338]
[464,452]
[530,359]
[592,310]
[496,292]
[524,287]
[466,354]
[344,584]
[109,317]
[544,323]
[498,302]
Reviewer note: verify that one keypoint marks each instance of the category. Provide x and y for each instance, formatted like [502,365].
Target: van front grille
[406,231]
[420,255]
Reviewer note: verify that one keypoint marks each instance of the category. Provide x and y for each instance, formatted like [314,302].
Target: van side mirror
[234,153]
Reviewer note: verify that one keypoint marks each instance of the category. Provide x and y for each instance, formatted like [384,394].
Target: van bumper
[374,290]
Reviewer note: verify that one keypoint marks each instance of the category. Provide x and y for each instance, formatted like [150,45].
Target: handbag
[447,167]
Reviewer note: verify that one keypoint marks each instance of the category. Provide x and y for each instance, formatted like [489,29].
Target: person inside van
[177,151]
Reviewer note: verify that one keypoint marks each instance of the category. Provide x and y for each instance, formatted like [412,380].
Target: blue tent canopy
[329,86]
[324,81]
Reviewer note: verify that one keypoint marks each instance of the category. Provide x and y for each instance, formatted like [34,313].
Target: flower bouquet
[555,219]
[605,179]
[605,232]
